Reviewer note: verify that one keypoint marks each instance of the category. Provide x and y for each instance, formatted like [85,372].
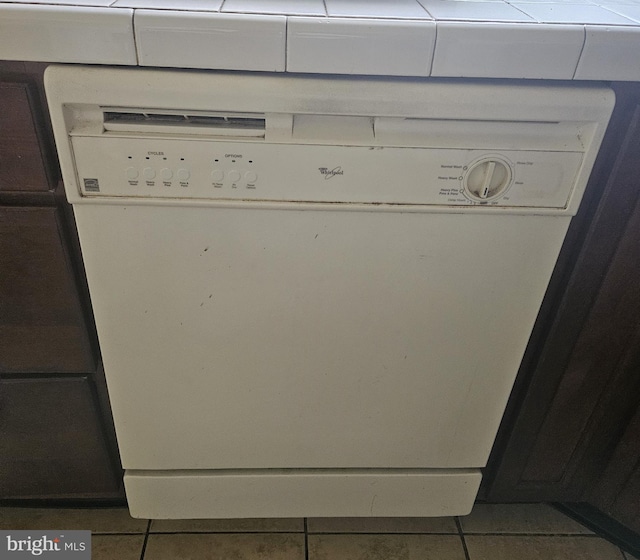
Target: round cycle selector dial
[487,179]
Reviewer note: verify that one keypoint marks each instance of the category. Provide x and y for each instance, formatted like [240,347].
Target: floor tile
[385,547]
[519,518]
[116,547]
[225,547]
[104,520]
[382,525]
[227,525]
[540,548]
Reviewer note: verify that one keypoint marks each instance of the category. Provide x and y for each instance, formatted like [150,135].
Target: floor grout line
[401,533]
[306,539]
[113,533]
[462,539]
[226,532]
[146,538]
[563,535]
[370,533]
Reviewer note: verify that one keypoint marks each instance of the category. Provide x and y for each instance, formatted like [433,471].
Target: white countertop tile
[606,54]
[568,13]
[188,5]
[473,11]
[476,1]
[467,38]
[376,9]
[37,32]
[210,40]
[631,12]
[535,50]
[291,7]
[606,3]
[97,3]
[352,46]
[579,2]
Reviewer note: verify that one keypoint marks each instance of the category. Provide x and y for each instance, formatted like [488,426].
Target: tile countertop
[550,39]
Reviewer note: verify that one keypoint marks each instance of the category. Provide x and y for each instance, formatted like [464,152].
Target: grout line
[462,539]
[306,540]
[146,538]
[402,533]
[383,533]
[225,533]
[286,44]
[584,44]
[563,535]
[133,32]
[116,533]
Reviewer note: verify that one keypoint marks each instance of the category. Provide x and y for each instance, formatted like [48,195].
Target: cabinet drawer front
[52,442]
[22,164]
[42,327]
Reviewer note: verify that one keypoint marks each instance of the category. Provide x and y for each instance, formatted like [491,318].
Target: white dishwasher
[312,294]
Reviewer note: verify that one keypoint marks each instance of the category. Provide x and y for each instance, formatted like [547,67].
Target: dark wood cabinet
[56,434]
[53,443]
[618,491]
[572,429]
[23,164]
[42,325]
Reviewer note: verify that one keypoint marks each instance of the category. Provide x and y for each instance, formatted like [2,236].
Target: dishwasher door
[262,338]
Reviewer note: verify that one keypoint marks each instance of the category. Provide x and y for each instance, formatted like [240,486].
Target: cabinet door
[618,492]
[42,328]
[23,166]
[52,442]
[575,433]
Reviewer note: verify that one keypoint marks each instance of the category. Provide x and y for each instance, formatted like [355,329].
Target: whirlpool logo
[330,173]
[74,545]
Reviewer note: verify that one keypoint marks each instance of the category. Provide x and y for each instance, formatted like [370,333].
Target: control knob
[487,179]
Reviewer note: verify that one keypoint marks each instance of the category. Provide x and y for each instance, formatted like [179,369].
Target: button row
[150,174]
[166,174]
[233,176]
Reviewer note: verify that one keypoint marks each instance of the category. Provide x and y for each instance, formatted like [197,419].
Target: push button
[149,174]
[132,173]
[234,176]
[217,175]
[250,177]
[166,174]
[183,174]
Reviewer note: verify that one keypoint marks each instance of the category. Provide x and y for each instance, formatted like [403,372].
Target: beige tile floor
[491,532]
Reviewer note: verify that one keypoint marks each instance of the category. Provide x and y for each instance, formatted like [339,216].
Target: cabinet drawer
[52,443]
[22,164]
[42,327]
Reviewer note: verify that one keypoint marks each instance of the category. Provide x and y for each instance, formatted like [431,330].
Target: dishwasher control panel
[213,170]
